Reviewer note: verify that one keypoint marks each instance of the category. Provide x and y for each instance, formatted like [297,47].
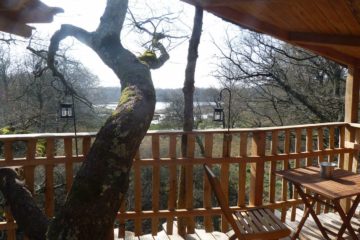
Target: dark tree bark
[188,91]
[23,207]
[102,181]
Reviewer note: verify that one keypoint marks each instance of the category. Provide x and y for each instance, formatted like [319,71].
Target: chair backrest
[220,196]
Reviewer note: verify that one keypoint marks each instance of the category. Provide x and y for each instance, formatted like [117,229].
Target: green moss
[148,56]
[41,147]
[126,95]
[7,130]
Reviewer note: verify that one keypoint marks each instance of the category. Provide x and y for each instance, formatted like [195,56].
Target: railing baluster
[8,155]
[342,146]
[49,178]
[207,189]
[8,151]
[242,169]
[172,184]
[224,175]
[86,144]
[309,145]
[29,171]
[285,166]
[331,143]
[69,162]
[137,193]
[257,169]
[155,183]
[320,141]
[189,183]
[274,152]
[297,165]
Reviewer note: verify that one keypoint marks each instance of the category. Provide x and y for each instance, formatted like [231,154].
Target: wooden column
[351,116]
[351,109]
[257,170]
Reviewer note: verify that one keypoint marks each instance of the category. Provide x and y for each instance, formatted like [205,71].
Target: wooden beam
[352,95]
[321,38]
[221,3]
[248,21]
[330,53]
[12,27]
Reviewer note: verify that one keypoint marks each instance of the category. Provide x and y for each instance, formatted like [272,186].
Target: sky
[86,14]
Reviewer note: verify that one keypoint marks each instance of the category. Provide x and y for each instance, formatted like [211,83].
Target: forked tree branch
[64,32]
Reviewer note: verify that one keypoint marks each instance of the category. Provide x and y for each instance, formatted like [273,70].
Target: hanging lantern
[66,110]
[218,114]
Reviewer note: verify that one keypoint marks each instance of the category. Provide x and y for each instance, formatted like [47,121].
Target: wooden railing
[245,160]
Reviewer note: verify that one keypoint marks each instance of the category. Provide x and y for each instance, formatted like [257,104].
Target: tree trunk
[188,91]
[102,181]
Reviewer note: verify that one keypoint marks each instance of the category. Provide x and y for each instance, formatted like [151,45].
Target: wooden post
[257,170]
[351,116]
[351,109]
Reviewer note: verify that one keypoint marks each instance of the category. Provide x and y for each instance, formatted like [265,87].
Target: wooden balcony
[245,160]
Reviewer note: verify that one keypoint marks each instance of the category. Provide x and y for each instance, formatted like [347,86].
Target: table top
[343,183]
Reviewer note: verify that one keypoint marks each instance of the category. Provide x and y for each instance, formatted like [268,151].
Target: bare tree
[188,90]
[277,79]
[102,181]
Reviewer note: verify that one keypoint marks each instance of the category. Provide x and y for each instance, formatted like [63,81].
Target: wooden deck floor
[309,231]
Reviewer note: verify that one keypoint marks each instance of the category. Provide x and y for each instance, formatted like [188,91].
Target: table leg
[301,223]
[309,207]
[347,218]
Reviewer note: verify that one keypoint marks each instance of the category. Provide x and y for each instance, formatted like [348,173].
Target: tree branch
[64,32]
[28,215]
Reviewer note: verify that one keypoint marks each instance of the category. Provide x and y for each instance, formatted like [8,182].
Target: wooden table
[343,184]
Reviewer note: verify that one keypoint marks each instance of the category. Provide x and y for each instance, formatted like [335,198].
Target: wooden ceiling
[327,27]
[15,15]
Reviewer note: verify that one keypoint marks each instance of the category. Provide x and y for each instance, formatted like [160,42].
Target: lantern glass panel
[218,114]
[66,110]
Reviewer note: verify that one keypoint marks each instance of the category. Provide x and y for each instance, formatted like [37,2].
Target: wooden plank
[208,225]
[224,175]
[257,170]
[172,183]
[86,144]
[309,145]
[272,180]
[155,183]
[127,236]
[11,232]
[341,146]
[323,38]
[320,141]
[69,164]
[298,135]
[137,194]
[202,234]
[173,236]
[8,151]
[331,142]
[351,115]
[29,171]
[121,232]
[161,236]
[189,183]
[284,189]
[242,170]
[49,178]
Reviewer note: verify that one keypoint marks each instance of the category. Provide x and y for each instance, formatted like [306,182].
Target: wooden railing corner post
[257,169]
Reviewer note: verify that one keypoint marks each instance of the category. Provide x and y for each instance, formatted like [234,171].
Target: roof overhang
[326,27]
[15,15]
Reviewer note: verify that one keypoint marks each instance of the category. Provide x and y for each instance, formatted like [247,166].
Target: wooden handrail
[263,150]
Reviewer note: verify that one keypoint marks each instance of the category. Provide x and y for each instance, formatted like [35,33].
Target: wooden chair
[257,223]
